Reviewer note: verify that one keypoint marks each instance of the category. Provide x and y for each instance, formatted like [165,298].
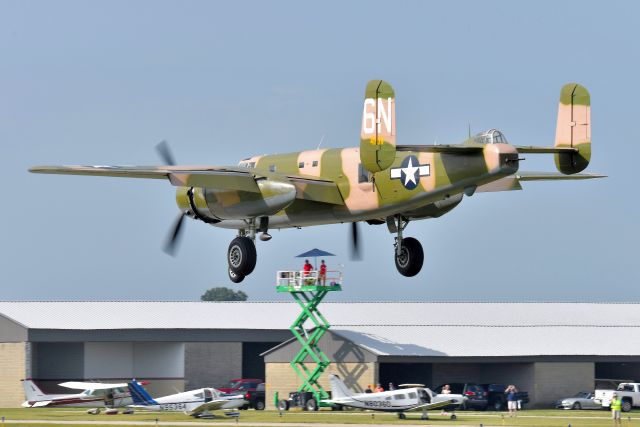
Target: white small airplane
[399,401]
[196,403]
[94,395]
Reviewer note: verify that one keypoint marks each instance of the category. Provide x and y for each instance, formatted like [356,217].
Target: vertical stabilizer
[573,128]
[139,395]
[338,389]
[378,131]
[32,392]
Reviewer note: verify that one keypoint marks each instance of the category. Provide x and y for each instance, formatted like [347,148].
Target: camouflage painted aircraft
[379,182]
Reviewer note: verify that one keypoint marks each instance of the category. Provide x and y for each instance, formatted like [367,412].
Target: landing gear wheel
[311,405]
[453,416]
[241,256]
[424,417]
[409,260]
[235,277]
[402,416]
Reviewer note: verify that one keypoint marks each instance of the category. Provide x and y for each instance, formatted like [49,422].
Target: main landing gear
[241,255]
[409,255]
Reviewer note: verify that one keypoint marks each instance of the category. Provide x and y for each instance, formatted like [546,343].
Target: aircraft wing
[209,406]
[532,149]
[78,385]
[224,178]
[435,405]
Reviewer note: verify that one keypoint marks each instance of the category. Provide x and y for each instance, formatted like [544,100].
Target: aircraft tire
[235,277]
[409,261]
[453,416]
[242,256]
[402,416]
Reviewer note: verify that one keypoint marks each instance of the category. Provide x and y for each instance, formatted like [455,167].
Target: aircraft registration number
[378,404]
[173,407]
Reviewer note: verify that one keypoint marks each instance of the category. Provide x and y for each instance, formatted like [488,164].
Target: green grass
[543,418]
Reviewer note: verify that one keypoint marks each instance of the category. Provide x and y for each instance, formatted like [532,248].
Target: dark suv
[476,394]
[256,397]
[497,399]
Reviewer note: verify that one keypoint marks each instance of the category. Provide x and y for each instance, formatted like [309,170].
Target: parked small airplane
[399,401]
[196,403]
[95,395]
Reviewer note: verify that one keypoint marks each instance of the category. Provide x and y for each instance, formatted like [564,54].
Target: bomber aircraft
[379,182]
[196,403]
[398,401]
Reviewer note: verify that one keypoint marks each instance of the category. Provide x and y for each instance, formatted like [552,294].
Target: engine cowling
[216,204]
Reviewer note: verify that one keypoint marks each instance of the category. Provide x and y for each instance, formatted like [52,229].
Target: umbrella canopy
[315,252]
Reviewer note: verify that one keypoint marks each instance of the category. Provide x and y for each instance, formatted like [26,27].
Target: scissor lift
[308,289]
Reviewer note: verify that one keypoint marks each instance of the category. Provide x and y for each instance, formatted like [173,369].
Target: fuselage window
[412,395]
[272,168]
[315,164]
[399,396]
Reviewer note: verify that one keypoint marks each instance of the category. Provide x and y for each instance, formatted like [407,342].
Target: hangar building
[548,349]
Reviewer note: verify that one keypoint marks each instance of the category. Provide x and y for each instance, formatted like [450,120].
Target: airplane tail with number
[338,388]
[573,129]
[139,394]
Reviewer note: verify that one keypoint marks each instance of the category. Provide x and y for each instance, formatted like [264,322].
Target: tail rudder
[139,394]
[31,391]
[378,131]
[573,128]
[338,388]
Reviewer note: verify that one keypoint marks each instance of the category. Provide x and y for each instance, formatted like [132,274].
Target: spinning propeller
[355,243]
[171,244]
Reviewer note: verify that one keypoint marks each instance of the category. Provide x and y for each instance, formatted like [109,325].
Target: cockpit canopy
[492,136]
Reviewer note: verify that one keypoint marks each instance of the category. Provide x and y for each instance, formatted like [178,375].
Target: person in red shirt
[323,273]
[307,267]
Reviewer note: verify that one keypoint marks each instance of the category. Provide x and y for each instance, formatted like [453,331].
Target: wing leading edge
[222,178]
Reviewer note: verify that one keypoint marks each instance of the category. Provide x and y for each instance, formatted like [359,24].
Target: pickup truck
[629,393]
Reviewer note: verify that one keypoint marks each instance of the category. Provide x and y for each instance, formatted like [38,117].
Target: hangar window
[315,164]
[301,165]
[399,396]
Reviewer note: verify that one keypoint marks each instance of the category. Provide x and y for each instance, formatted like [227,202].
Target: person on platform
[322,276]
[379,388]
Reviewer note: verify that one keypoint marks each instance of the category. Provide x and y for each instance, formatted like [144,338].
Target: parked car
[256,397]
[582,400]
[629,393]
[476,394]
[497,399]
[241,385]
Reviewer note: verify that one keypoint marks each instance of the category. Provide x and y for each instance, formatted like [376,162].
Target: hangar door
[405,373]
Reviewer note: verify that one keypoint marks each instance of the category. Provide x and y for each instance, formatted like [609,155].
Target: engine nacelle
[215,204]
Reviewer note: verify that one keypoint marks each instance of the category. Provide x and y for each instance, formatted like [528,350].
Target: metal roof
[384,328]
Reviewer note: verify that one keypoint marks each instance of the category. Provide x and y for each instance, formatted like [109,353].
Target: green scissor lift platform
[308,290]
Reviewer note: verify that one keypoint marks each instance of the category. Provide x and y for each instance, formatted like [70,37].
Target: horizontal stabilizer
[41,404]
[553,176]
[531,149]
[435,148]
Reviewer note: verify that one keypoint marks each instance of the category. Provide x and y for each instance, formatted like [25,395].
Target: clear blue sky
[102,82]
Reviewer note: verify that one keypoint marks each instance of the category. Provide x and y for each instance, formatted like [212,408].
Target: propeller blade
[171,245]
[165,153]
[355,243]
